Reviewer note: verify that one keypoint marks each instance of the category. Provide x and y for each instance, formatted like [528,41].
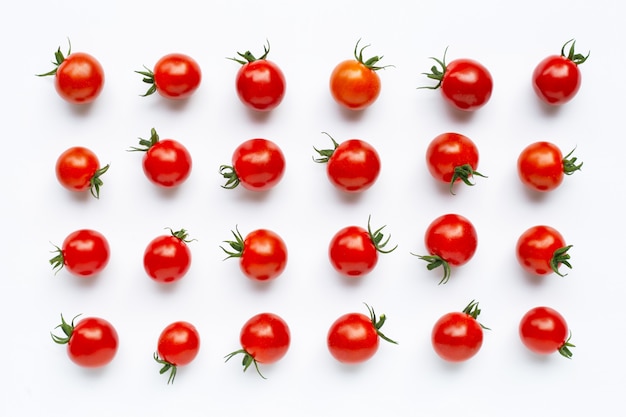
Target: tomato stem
[58,60]
[167,366]
[236,245]
[572,55]
[473,311]
[369,63]
[436,261]
[148,78]
[559,257]
[569,164]
[377,238]
[146,143]
[565,350]
[325,154]
[436,73]
[378,323]
[95,182]
[248,57]
[58,261]
[68,329]
[246,361]
[232,179]
[463,172]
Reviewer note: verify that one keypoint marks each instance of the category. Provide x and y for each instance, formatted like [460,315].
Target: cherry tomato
[166,163]
[465,84]
[257,164]
[450,239]
[264,338]
[458,336]
[91,343]
[167,258]
[84,253]
[352,166]
[262,254]
[354,83]
[353,251]
[557,78]
[542,167]
[260,83]
[78,169]
[175,76]
[178,345]
[451,158]
[543,330]
[541,250]
[79,77]
[354,337]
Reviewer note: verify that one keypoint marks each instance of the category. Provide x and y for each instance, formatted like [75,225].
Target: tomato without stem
[543,330]
[541,250]
[167,258]
[257,164]
[178,345]
[458,336]
[84,253]
[78,169]
[175,76]
[541,166]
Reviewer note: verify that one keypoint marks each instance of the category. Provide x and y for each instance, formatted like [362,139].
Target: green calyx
[232,179]
[58,60]
[572,55]
[369,63]
[434,262]
[378,322]
[565,350]
[67,329]
[58,261]
[569,164]
[560,257]
[148,78]
[236,246]
[435,72]
[377,238]
[248,57]
[464,172]
[166,366]
[325,154]
[246,361]
[473,311]
[146,144]
[181,234]
[95,182]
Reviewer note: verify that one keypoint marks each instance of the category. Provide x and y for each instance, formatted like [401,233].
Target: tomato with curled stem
[84,253]
[541,250]
[78,169]
[257,164]
[178,345]
[352,166]
[542,167]
[167,258]
[458,336]
[543,330]
[557,78]
[175,76]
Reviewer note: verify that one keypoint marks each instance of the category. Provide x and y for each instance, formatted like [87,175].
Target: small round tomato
[167,258]
[464,83]
[91,343]
[458,336]
[260,83]
[450,239]
[353,251]
[175,76]
[352,166]
[84,253]
[78,169]
[556,79]
[543,330]
[257,164]
[354,337]
[262,254]
[166,163]
[178,345]
[79,77]
[451,158]
[354,83]
[264,338]
[541,166]
[541,250]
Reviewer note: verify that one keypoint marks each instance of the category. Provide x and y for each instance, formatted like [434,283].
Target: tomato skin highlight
[177,76]
[536,248]
[352,338]
[167,258]
[351,252]
[543,330]
[179,343]
[79,78]
[456,337]
[353,85]
[354,166]
[261,85]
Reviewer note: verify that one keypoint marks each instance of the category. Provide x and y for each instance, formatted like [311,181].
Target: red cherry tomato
[354,83]
[166,163]
[167,258]
[451,158]
[78,169]
[450,239]
[352,166]
[543,330]
[84,253]
[257,164]
[91,343]
[262,254]
[556,79]
[541,250]
[354,337]
[178,345]
[264,338]
[353,251]
[457,336]
[79,77]
[175,76]
[465,84]
[541,166]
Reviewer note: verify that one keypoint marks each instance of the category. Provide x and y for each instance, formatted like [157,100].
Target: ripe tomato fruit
[354,83]
[458,336]
[262,254]
[175,76]
[178,345]
[84,253]
[354,337]
[541,250]
[451,158]
[257,164]
[543,330]
[167,258]
[557,78]
[352,166]
[265,339]
[465,84]
[166,163]
[79,77]
[450,239]
[353,251]
[78,169]
[91,343]
[260,83]
[541,166]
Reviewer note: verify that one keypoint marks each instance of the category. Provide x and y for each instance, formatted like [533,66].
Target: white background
[307,41]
